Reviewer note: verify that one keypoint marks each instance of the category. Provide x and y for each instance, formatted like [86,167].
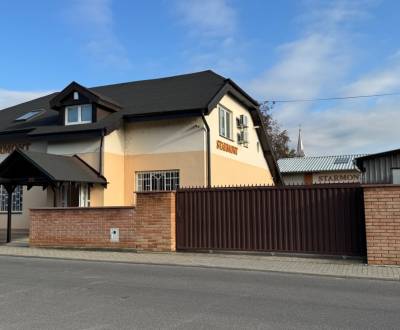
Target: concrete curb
[302,273]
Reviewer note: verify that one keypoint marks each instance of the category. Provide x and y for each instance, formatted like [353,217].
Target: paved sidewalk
[310,266]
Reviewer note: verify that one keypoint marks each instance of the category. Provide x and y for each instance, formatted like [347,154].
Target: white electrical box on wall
[114,234]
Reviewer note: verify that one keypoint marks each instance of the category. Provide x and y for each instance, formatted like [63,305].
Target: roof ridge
[161,78]
[327,156]
[54,93]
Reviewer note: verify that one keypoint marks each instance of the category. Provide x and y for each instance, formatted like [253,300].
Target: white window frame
[84,195]
[224,116]
[64,195]
[17,200]
[80,121]
[165,180]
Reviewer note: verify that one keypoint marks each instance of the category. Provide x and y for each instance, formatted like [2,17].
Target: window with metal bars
[16,199]
[157,180]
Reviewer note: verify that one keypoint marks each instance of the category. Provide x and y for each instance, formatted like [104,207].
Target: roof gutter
[208,150]
[163,115]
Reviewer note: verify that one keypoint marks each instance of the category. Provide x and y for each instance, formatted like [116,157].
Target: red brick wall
[155,221]
[149,227]
[382,221]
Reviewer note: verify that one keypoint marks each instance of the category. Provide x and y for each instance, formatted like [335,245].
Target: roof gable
[86,95]
[28,166]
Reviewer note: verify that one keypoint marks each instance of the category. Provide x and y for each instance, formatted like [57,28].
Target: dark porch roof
[35,168]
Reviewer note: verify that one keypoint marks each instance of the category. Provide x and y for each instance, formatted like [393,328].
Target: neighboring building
[319,170]
[380,168]
[191,130]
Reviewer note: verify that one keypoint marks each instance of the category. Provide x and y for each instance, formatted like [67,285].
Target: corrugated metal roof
[318,164]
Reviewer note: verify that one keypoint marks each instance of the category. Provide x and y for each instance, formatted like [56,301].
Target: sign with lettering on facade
[7,148]
[227,147]
[337,178]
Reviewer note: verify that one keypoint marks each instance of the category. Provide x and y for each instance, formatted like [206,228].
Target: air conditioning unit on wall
[242,121]
[243,138]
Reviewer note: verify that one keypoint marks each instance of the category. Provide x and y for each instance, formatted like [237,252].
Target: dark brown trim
[266,146]
[233,91]
[94,113]
[240,90]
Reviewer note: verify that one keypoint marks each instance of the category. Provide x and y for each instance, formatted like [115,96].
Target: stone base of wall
[382,221]
[148,227]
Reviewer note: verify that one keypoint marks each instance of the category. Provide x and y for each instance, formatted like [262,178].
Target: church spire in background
[300,147]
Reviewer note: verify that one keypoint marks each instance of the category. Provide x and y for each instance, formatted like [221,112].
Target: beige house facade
[197,129]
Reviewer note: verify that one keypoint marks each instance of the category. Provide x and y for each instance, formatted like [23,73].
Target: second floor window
[78,114]
[225,123]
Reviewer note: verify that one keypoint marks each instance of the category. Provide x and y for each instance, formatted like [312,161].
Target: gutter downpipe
[101,153]
[208,150]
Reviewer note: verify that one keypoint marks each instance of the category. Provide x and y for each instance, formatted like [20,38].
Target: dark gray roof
[317,164]
[56,168]
[65,168]
[187,92]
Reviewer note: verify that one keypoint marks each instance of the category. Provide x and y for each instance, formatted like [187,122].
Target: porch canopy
[28,168]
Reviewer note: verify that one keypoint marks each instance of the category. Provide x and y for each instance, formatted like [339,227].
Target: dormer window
[78,114]
[80,105]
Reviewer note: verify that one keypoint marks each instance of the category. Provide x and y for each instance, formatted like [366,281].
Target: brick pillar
[155,227]
[382,221]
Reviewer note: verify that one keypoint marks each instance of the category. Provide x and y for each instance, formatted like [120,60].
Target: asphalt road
[60,294]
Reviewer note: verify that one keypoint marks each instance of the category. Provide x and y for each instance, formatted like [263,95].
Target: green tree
[279,137]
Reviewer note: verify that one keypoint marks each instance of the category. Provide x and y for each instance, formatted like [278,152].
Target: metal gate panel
[326,220]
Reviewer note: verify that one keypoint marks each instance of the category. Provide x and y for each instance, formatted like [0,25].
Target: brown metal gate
[326,220]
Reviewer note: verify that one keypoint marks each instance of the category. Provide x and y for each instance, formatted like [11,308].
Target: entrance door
[74,195]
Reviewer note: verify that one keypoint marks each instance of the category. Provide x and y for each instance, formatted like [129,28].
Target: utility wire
[332,98]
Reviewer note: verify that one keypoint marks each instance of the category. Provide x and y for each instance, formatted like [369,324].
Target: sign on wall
[227,147]
[336,178]
[10,147]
